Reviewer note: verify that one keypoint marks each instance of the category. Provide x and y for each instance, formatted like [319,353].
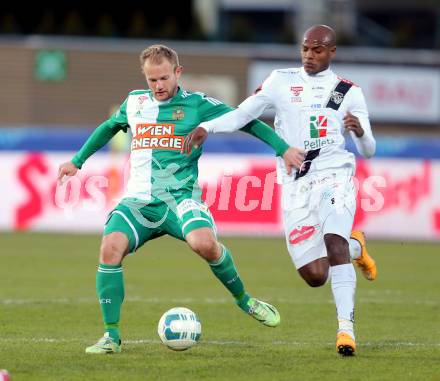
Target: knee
[315,273]
[206,248]
[111,252]
[316,279]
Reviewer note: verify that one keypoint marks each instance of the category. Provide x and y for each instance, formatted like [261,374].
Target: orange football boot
[364,262]
[345,344]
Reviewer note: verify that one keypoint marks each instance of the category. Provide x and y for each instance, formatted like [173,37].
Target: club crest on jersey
[156,136]
[178,114]
[336,97]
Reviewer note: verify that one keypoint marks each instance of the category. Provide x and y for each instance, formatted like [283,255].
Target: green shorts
[141,223]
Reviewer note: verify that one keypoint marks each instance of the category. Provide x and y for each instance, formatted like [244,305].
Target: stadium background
[64,69]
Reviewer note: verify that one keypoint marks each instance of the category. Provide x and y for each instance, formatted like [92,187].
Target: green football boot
[261,311]
[105,345]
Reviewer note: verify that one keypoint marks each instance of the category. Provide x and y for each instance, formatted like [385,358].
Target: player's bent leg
[114,247]
[204,243]
[337,249]
[363,260]
[315,273]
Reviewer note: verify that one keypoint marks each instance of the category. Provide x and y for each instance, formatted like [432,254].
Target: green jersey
[158,167]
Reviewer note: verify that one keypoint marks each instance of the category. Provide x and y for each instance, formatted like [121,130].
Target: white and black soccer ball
[179,328]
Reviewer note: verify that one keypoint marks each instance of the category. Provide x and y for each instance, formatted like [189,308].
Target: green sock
[110,290]
[224,269]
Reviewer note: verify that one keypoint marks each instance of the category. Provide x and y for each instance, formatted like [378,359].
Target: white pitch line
[129,299]
[228,342]
[391,300]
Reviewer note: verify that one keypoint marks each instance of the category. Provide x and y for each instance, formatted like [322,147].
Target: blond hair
[157,53]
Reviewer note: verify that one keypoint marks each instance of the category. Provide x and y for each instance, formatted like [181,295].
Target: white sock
[355,248]
[343,280]
[346,326]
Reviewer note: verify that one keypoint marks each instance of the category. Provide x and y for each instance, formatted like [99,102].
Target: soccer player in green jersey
[162,195]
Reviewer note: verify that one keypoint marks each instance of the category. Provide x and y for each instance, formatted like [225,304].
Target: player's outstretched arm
[218,118]
[98,139]
[222,118]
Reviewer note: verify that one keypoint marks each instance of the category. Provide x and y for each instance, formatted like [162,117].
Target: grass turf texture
[49,314]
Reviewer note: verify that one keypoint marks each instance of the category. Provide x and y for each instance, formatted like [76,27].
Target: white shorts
[314,205]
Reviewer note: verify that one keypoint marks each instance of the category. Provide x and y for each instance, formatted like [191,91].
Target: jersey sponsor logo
[318,143]
[188,205]
[301,234]
[296,90]
[156,136]
[318,133]
[318,126]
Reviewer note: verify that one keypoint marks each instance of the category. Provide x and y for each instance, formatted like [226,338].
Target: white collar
[321,76]
[161,102]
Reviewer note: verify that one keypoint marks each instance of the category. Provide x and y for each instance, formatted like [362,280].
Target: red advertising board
[397,199]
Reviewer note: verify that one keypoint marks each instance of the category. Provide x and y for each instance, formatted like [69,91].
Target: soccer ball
[179,328]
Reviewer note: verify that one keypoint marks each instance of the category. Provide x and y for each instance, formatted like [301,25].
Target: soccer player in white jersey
[314,108]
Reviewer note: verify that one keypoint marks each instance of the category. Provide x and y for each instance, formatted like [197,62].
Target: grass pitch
[49,314]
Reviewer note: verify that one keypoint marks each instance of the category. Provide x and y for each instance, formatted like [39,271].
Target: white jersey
[302,117]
